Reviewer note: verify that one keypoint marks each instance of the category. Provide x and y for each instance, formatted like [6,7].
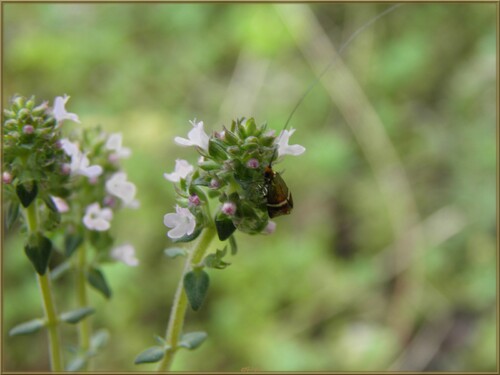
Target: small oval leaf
[151,355]
[174,252]
[60,270]
[27,327]
[192,340]
[71,243]
[50,203]
[188,238]
[76,315]
[225,228]
[99,339]
[233,245]
[196,286]
[96,278]
[27,194]
[77,363]
[12,214]
[160,340]
[38,250]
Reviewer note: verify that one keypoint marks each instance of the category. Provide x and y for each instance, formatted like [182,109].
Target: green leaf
[99,339]
[38,250]
[75,316]
[71,243]
[160,341]
[196,286]
[49,203]
[61,192]
[60,270]
[215,260]
[96,278]
[27,194]
[216,149]
[174,252]
[51,220]
[233,245]
[192,340]
[27,327]
[101,240]
[225,228]
[12,214]
[230,137]
[250,127]
[77,363]
[188,238]
[208,165]
[151,355]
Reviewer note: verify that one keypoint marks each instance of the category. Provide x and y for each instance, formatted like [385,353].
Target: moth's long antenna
[341,49]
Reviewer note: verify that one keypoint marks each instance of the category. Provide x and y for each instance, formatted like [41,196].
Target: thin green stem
[178,312]
[84,329]
[56,359]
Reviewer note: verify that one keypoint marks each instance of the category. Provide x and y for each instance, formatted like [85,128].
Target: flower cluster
[33,160]
[98,187]
[77,178]
[231,168]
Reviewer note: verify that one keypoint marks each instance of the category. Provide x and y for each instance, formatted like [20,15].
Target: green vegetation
[388,259]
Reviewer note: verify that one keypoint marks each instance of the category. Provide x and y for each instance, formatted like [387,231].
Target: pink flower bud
[65,169]
[93,180]
[253,163]
[113,158]
[28,129]
[109,201]
[6,178]
[214,183]
[229,208]
[194,200]
[220,135]
[270,228]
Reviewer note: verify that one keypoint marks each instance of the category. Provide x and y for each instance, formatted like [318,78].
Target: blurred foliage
[322,292]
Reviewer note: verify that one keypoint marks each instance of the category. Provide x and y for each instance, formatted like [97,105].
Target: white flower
[182,169]
[284,148]
[125,254]
[114,143]
[118,186]
[134,204]
[96,218]
[183,222]
[59,111]
[79,161]
[61,204]
[196,137]
[69,147]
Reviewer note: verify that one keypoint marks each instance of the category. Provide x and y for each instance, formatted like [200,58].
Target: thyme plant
[64,190]
[228,189]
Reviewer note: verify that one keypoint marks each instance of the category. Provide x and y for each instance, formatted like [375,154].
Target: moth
[279,197]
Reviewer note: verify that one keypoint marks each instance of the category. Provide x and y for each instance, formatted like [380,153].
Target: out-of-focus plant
[231,187]
[64,190]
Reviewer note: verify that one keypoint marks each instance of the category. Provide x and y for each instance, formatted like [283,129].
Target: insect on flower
[278,196]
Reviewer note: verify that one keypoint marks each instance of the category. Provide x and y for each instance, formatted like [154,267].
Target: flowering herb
[67,188]
[231,187]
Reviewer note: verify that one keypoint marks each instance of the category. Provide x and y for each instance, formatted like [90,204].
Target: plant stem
[178,312]
[81,292]
[56,359]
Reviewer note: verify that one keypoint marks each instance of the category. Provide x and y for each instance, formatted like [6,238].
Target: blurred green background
[388,260]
